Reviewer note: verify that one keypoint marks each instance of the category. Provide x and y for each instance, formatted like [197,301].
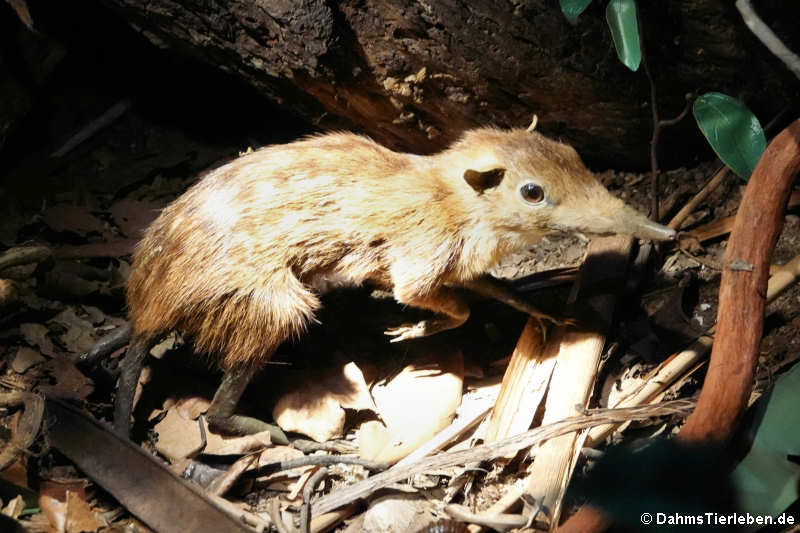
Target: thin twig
[498,521]
[703,262]
[657,125]
[274,512]
[222,484]
[671,122]
[498,449]
[768,37]
[24,255]
[106,119]
[654,185]
[315,460]
[702,194]
[310,446]
[715,181]
[308,491]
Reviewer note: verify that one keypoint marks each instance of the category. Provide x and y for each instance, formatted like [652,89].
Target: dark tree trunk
[414,74]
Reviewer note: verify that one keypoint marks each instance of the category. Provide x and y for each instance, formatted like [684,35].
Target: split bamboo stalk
[577,362]
[524,385]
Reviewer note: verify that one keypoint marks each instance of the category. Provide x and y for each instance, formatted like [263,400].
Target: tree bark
[415,74]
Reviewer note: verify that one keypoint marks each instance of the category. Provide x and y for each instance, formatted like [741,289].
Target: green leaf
[766,481]
[732,130]
[621,18]
[573,8]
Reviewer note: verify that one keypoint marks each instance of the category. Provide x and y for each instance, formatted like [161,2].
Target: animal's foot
[409,331]
[557,320]
[245,425]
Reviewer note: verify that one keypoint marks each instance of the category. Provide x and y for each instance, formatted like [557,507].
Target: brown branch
[743,291]
[741,308]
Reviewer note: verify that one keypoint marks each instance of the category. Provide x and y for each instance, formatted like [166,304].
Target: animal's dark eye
[532,193]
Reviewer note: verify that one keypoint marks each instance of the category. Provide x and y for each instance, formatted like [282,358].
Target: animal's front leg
[492,288]
[449,306]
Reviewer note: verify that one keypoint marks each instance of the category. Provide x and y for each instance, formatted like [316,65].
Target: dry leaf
[26,358]
[179,436]
[79,335]
[397,514]
[58,488]
[8,292]
[191,408]
[316,407]
[14,507]
[55,511]
[276,454]
[170,342]
[80,518]
[312,413]
[133,216]
[69,381]
[16,472]
[415,405]
[72,218]
[95,315]
[36,335]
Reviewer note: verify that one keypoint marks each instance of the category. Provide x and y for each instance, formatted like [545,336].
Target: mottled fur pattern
[238,261]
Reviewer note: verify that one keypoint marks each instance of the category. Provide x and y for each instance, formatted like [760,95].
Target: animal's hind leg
[130,370]
[252,325]
[220,414]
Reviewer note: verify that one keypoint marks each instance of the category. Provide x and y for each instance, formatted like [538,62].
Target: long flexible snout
[647,229]
[625,220]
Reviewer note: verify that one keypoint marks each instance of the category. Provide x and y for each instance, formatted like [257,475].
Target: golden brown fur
[238,261]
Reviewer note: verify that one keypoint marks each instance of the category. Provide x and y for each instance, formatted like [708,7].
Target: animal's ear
[480,181]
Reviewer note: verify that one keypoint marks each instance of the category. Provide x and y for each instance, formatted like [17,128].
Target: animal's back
[234,261]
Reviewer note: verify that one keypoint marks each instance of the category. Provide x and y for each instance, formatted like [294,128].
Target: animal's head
[532,186]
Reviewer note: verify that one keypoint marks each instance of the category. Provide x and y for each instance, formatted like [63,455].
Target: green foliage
[573,8]
[621,18]
[732,131]
[730,127]
[766,481]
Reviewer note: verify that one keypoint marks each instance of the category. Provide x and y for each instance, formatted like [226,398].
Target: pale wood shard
[577,363]
[524,384]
